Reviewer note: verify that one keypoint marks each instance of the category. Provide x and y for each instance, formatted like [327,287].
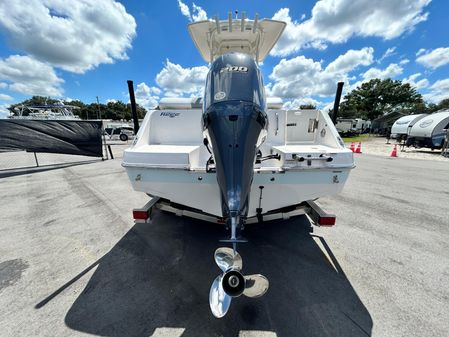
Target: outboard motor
[235,122]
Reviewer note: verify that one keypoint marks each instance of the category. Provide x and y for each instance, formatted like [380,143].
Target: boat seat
[163,156]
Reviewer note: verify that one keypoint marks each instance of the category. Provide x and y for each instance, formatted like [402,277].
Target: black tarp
[53,136]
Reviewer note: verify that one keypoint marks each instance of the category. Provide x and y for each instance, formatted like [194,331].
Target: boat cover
[52,136]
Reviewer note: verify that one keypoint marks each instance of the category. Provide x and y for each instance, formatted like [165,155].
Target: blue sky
[84,49]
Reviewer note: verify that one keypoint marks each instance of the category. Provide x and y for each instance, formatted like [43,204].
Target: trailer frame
[311,209]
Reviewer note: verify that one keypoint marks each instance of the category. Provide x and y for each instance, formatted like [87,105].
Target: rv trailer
[430,131]
[348,126]
[401,128]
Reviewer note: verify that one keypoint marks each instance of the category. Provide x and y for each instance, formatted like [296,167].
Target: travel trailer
[348,127]
[401,128]
[430,131]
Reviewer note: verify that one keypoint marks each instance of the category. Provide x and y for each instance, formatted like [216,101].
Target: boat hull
[200,190]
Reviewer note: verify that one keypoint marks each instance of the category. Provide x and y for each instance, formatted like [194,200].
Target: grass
[358,138]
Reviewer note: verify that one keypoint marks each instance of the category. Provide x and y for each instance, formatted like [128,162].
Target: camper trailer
[348,126]
[401,128]
[430,131]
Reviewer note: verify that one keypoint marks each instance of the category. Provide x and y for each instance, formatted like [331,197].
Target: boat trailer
[312,210]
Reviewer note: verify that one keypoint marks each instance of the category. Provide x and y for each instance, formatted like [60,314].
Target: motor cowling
[234,118]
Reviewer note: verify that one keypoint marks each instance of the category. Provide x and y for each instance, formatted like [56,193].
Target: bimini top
[255,37]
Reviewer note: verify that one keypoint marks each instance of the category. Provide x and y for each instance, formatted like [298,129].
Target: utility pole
[99,111]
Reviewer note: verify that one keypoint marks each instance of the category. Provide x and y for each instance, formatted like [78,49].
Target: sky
[81,49]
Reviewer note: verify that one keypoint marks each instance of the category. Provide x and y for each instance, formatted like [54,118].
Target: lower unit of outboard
[234,129]
[233,118]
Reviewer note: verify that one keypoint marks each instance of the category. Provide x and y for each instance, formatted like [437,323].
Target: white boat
[58,111]
[168,158]
[235,155]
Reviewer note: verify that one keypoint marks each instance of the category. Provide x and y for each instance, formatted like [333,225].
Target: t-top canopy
[254,37]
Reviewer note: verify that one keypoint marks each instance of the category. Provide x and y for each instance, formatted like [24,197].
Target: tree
[379,97]
[444,104]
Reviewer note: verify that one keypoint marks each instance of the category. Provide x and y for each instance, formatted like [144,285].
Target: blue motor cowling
[234,117]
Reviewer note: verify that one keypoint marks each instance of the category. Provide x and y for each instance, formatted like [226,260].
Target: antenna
[217,22]
[256,20]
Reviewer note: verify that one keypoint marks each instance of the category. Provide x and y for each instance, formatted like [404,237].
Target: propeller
[232,283]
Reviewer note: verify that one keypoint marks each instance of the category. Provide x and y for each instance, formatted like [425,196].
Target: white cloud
[3,85]
[4,112]
[433,58]
[30,76]
[184,10]
[301,78]
[197,13]
[438,91]
[176,80]
[296,103]
[404,61]
[391,71]
[73,35]
[5,97]
[420,51]
[441,85]
[389,52]
[146,96]
[418,84]
[351,60]
[335,21]
[326,107]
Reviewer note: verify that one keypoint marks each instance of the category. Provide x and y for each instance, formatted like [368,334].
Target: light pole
[99,111]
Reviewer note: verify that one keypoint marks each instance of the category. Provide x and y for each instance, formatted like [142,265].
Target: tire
[123,137]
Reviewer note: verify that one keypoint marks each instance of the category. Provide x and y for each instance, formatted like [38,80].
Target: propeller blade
[219,301]
[225,259]
[255,285]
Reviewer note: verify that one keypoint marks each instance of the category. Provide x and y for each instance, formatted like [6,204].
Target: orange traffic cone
[394,153]
[359,148]
[352,147]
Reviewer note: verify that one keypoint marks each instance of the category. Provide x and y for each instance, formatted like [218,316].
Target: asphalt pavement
[73,263]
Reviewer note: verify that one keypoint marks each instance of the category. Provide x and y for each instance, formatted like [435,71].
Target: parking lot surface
[73,263]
